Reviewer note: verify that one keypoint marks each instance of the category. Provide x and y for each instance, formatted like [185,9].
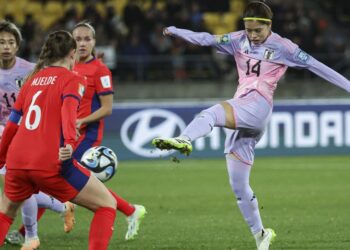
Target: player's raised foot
[181,144]
[14,237]
[69,217]
[265,238]
[134,222]
[31,244]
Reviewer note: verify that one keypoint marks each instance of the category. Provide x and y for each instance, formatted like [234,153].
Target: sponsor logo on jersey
[268,54]
[223,39]
[106,81]
[141,127]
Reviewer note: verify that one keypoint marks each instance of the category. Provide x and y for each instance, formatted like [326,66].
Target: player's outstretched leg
[182,144]
[265,238]
[66,210]
[200,126]
[96,197]
[134,221]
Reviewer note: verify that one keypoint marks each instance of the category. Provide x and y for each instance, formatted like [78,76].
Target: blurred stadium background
[156,71]
[161,83]
[129,32]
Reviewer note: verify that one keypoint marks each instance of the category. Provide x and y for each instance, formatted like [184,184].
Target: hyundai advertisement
[295,128]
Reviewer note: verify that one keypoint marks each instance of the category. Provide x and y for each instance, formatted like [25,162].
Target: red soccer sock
[5,224]
[101,228]
[22,229]
[122,205]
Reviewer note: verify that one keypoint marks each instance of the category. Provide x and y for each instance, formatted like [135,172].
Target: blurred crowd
[136,50]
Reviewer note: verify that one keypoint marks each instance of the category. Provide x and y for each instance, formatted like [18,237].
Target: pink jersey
[261,66]
[10,83]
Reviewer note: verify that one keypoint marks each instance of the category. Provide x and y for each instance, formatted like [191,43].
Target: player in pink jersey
[262,58]
[48,104]
[95,105]
[13,71]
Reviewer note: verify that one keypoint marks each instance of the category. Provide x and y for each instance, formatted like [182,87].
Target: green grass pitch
[191,206]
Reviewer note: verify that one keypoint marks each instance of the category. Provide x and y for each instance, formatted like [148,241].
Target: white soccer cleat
[14,238]
[265,238]
[134,221]
[181,144]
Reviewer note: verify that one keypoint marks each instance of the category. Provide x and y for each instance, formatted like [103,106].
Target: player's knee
[8,207]
[239,177]
[242,190]
[240,187]
[205,114]
[216,114]
[108,200]
[112,202]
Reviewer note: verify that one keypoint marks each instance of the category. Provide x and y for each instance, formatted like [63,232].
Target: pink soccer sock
[41,211]
[101,228]
[239,173]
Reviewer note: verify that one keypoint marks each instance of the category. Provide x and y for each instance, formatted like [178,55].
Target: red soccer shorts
[64,185]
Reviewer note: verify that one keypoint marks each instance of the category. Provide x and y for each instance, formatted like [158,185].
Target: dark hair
[259,10]
[57,46]
[7,26]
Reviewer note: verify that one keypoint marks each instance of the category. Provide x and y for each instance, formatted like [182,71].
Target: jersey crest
[19,82]
[269,54]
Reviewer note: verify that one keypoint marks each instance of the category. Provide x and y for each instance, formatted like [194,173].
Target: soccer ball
[102,162]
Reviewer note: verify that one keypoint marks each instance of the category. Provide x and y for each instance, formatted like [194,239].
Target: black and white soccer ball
[102,162]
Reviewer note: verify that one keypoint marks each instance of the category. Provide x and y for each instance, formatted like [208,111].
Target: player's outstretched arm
[301,59]
[197,38]
[329,74]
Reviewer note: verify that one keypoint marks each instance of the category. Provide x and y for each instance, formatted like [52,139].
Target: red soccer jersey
[48,104]
[99,82]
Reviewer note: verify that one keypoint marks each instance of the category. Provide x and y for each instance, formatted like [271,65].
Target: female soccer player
[95,105]
[262,58]
[12,72]
[46,136]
